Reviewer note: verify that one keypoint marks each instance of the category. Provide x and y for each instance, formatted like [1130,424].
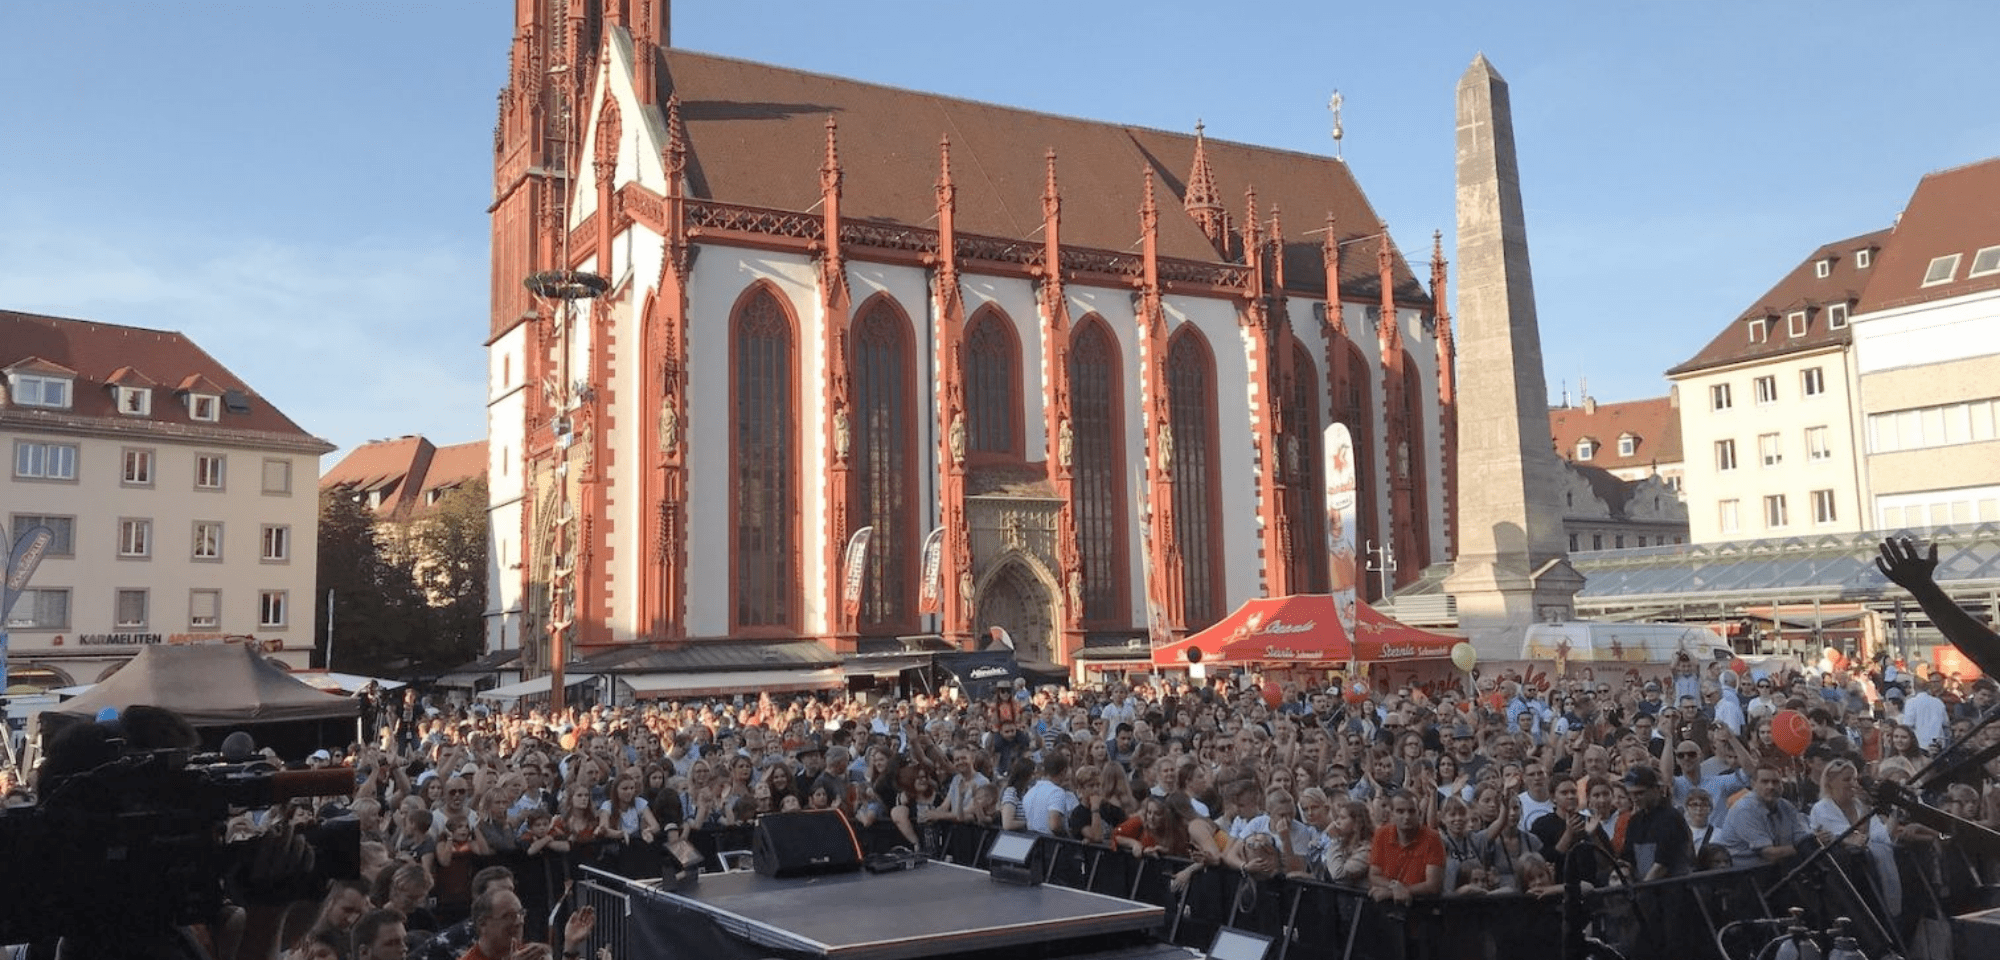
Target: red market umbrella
[1304,629]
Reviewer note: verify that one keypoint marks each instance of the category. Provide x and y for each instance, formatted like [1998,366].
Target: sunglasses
[1688,756]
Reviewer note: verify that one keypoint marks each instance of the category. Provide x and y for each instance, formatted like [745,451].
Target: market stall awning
[1305,629]
[980,671]
[538,687]
[333,682]
[649,686]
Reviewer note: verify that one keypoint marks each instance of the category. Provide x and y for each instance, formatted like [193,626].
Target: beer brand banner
[930,593]
[19,562]
[856,567]
[1342,572]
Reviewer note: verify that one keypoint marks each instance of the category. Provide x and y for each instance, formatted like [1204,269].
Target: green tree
[380,620]
[449,563]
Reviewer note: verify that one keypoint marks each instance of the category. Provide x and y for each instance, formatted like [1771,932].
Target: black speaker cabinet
[805,842]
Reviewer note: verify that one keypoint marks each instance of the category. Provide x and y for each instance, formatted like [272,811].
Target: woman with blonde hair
[1841,806]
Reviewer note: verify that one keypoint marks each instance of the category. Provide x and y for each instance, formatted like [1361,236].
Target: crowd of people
[1407,793]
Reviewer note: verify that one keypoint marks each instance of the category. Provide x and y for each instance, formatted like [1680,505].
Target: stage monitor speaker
[804,843]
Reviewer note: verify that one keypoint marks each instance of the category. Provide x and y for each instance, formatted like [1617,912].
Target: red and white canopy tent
[1305,630]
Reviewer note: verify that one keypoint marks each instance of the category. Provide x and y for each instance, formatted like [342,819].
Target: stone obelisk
[1512,568]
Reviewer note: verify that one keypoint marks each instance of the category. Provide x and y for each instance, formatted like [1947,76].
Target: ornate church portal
[1018,601]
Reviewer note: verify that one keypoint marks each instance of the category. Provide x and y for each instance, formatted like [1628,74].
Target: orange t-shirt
[1406,864]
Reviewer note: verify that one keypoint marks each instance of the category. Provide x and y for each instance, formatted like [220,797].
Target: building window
[31,390]
[1575,543]
[1770,451]
[1597,541]
[1812,381]
[45,608]
[1628,445]
[1725,455]
[44,461]
[205,407]
[763,453]
[277,476]
[208,471]
[131,612]
[1941,270]
[1774,512]
[207,540]
[1817,446]
[992,381]
[1727,515]
[1618,541]
[1862,259]
[272,608]
[1191,413]
[883,467]
[1986,261]
[277,541]
[64,528]
[1823,268]
[135,401]
[1767,391]
[204,609]
[1940,426]
[1795,324]
[138,468]
[135,538]
[1098,484]
[1836,316]
[1718,397]
[1760,329]
[1822,501]
[1585,448]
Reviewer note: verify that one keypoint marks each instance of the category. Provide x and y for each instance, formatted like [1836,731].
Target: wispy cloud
[354,341]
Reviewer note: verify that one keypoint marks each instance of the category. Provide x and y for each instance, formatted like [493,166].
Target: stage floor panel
[940,908]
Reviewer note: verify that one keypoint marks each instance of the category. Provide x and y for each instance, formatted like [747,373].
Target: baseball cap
[1642,776]
[319,755]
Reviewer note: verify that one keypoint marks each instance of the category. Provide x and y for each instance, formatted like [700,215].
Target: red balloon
[1791,731]
[1739,665]
[1274,695]
[1357,691]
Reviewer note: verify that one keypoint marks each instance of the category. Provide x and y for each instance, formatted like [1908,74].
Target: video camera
[135,843]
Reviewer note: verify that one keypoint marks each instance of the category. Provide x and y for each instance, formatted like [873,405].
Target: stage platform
[938,910]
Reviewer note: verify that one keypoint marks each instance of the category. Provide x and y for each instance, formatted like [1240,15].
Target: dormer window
[135,401]
[1760,329]
[1836,316]
[35,390]
[1942,269]
[1795,323]
[1862,258]
[204,407]
[1628,445]
[1823,268]
[1984,262]
[1585,448]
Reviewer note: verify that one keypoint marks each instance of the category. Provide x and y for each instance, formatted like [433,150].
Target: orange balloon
[1357,691]
[1791,731]
[1274,695]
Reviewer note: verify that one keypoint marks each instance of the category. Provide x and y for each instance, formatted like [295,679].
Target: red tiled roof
[95,352]
[757,136]
[1655,422]
[404,470]
[1800,289]
[1952,211]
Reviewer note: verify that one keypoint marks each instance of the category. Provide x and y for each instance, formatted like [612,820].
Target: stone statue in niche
[1076,592]
[1403,458]
[843,434]
[1166,447]
[956,438]
[965,593]
[1065,444]
[670,426]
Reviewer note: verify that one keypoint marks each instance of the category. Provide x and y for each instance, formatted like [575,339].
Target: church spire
[1203,201]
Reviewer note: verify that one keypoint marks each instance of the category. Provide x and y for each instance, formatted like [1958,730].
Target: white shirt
[1042,799]
[1926,715]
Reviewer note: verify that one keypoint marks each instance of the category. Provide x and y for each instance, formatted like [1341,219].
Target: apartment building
[184,506]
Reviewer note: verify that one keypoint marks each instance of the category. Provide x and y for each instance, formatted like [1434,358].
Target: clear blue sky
[301,186]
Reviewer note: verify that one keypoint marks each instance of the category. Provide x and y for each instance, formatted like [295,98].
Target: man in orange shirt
[1407,858]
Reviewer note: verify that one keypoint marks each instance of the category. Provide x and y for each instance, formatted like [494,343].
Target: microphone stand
[1875,923]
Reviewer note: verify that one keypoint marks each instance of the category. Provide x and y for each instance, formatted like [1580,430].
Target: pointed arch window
[763,456]
[992,385]
[883,462]
[1197,479]
[1303,465]
[1421,436]
[1097,484]
[1357,410]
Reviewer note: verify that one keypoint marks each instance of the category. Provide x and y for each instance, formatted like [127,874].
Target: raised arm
[1915,570]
